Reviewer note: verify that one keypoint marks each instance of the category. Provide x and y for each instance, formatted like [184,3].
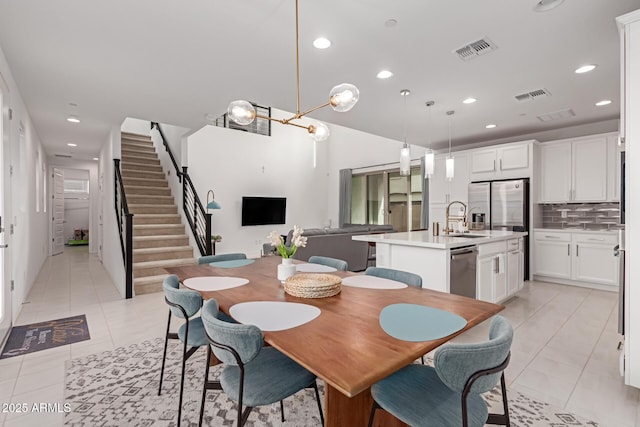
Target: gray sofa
[337,243]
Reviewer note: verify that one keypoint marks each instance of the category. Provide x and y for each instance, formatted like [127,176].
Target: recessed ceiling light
[73,119]
[603,102]
[469,101]
[390,23]
[95,158]
[384,74]
[72,144]
[545,5]
[585,69]
[490,126]
[321,43]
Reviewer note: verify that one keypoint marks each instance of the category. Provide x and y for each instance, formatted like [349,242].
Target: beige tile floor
[564,350]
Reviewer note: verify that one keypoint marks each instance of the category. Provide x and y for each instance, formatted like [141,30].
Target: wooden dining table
[345,345]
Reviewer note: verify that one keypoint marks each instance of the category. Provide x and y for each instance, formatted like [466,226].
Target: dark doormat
[41,336]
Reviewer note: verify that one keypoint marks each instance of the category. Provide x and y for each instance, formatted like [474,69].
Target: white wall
[27,246]
[140,127]
[109,238]
[236,164]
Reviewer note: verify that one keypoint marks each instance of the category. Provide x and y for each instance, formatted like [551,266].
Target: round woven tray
[313,285]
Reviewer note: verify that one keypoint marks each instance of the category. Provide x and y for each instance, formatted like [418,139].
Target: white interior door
[5,212]
[58,212]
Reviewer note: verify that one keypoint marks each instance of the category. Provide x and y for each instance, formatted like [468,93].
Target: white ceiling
[177,61]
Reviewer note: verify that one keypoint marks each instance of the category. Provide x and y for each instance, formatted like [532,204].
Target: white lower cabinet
[553,254]
[594,260]
[513,271]
[579,258]
[498,274]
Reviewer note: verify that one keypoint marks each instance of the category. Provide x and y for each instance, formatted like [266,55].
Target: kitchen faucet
[448,217]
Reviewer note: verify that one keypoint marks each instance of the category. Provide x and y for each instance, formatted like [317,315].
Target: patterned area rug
[120,388]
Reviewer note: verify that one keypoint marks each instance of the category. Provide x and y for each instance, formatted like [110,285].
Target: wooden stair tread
[160,237]
[176,262]
[161,249]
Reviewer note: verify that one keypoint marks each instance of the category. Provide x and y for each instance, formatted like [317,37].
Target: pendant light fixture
[429,155]
[449,162]
[341,98]
[405,151]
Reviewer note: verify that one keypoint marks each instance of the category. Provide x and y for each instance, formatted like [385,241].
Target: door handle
[577,254]
[4,246]
[568,249]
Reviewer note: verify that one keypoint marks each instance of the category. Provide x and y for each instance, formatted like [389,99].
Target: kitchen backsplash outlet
[584,216]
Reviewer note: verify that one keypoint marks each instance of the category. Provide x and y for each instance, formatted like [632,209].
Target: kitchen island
[493,257]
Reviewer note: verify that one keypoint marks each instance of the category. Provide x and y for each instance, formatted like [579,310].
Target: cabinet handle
[577,254]
[551,237]
[500,164]
[568,249]
[494,165]
[495,265]
[594,239]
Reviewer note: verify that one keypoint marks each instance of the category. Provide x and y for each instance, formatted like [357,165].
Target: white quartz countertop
[426,239]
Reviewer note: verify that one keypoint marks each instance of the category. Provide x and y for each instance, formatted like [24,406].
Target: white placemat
[214,283]
[372,282]
[314,268]
[274,315]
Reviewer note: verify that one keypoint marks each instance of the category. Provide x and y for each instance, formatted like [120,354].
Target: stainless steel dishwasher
[462,271]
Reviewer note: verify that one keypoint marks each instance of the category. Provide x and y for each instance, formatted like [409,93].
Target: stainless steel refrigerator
[504,205]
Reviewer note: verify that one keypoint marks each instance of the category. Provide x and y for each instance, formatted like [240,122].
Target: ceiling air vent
[475,49]
[556,115]
[66,156]
[534,94]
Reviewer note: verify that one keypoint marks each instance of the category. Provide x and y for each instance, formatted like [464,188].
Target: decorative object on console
[429,155]
[405,151]
[286,268]
[449,162]
[341,98]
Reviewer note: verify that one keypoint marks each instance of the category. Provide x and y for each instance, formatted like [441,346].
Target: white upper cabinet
[555,171]
[501,162]
[576,170]
[589,158]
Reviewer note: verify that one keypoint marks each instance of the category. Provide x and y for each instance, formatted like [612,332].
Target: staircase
[159,237]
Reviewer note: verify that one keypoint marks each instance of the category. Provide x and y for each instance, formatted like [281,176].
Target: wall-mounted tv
[263,210]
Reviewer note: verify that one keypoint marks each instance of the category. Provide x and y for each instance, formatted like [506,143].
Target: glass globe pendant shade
[429,163]
[343,97]
[318,131]
[449,168]
[241,112]
[405,160]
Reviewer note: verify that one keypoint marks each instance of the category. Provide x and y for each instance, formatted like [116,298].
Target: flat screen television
[263,210]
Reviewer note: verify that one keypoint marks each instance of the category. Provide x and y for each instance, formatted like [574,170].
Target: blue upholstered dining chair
[253,375]
[338,264]
[184,304]
[448,394]
[397,275]
[222,257]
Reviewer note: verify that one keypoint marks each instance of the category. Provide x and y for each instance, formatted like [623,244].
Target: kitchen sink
[467,235]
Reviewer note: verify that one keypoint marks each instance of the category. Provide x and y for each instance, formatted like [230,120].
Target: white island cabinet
[498,264]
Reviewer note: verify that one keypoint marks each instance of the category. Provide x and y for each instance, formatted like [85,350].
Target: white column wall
[109,236]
